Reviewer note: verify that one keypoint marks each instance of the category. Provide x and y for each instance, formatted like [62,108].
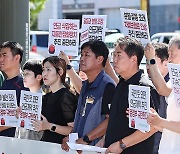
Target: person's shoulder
[110,85]
[46,95]
[19,81]
[19,78]
[145,81]
[68,92]
[68,97]
[108,79]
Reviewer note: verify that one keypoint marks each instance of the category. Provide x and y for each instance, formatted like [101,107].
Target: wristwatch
[68,67]
[122,145]
[151,61]
[86,139]
[53,128]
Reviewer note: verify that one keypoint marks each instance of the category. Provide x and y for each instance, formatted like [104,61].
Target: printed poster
[139,107]
[63,36]
[135,24]
[8,105]
[31,105]
[93,28]
[174,74]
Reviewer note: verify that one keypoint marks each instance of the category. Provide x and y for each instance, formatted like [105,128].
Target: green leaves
[35,7]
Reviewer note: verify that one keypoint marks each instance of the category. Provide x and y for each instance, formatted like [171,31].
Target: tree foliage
[35,7]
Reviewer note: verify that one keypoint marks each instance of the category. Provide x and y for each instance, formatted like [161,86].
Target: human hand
[114,148]
[154,119]
[101,142]
[18,110]
[149,52]
[80,141]
[64,56]
[64,144]
[43,124]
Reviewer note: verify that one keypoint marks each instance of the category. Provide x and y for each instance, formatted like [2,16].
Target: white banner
[10,145]
[31,104]
[93,28]
[139,107]
[135,24]
[63,36]
[8,105]
[174,74]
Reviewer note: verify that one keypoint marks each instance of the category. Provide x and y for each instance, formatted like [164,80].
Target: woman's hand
[154,119]
[101,142]
[43,124]
[64,144]
[18,110]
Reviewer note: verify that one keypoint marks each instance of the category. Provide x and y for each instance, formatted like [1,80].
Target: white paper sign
[63,36]
[139,107]
[8,105]
[174,73]
[74,146]
[11,145]
[93,28]
[73,137]
[31,104]
[135,24]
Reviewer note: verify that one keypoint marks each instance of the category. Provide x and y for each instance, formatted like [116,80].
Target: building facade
[164,14]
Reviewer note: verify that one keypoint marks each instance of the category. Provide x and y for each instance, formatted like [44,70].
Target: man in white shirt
[170,127]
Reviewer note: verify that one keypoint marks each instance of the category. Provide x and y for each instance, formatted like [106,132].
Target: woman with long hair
[59,106]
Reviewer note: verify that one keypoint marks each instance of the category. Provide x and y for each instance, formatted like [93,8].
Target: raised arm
[74,77]
[110,71]
[156,76]
[156,121]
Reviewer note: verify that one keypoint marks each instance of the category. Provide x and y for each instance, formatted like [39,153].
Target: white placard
[93,28]
[31,105]
[8,105]
[135,24]
[139,107]
[174,74]
[74,146]
[22,146]
[73,137]
[63,36]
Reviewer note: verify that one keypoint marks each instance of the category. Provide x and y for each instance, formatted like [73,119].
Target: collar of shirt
[134,79]
[96,82]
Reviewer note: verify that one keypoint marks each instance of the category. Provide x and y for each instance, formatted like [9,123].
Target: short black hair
[34,66]
[131,47]
[161,50]
[16,48]
[99,48]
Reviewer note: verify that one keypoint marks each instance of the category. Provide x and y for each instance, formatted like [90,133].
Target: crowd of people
[97,109]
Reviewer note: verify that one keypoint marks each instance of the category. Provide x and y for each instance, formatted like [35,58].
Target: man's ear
[17,58]
[100,59]
[134,59]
